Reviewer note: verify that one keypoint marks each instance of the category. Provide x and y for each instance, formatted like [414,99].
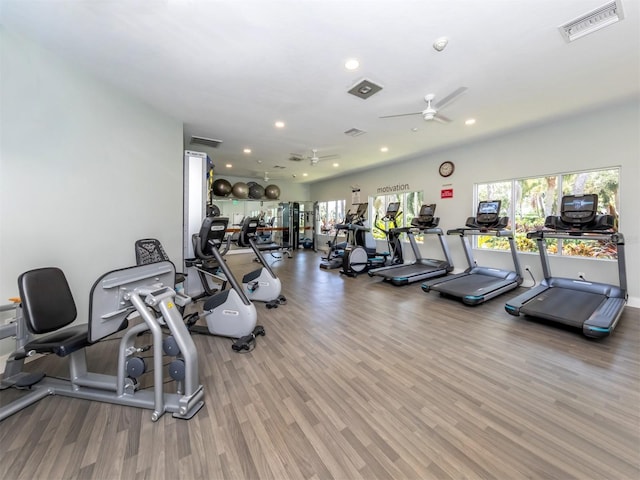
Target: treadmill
[478,284]
[421,268]
[593,307]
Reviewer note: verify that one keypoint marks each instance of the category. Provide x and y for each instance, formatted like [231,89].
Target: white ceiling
[229,69]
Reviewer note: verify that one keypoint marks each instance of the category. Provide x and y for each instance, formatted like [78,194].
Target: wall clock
[446,168]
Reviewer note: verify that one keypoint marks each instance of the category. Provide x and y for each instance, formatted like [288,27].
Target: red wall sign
[446,193]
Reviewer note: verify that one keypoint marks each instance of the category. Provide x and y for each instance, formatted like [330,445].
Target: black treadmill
[593,307]
[421,268]
[478,284]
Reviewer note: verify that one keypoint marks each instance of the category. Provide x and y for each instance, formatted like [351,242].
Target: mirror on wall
[289,224]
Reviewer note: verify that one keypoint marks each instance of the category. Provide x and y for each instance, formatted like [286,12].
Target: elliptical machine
[261,285]
[352,222]
[362,255]
[227,313]
[392,233]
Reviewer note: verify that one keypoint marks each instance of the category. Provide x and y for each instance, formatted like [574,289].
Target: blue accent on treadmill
[400,278]
[599,329]
[474,297]
[510,307]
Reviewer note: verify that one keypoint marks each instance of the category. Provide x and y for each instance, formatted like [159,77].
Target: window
[329,214]
[410,203]
[528,201]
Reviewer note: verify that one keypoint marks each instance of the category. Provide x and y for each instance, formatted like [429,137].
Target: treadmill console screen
[362,209]
[427,212]
[579,208]
[488,212]
[392,209]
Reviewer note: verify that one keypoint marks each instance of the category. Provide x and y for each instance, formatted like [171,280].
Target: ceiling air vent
[354,132]
[590,22]
[364,89]
[209,142]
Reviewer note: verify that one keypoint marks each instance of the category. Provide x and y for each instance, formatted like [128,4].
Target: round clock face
[446,169]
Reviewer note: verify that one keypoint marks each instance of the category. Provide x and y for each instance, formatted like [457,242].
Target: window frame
[406,217]
[517,219]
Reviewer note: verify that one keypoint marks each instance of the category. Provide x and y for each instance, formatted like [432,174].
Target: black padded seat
[62,342]
[266,247]
[48,307]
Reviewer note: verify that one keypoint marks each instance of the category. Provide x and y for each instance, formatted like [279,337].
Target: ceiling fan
[313,158]
[432,110]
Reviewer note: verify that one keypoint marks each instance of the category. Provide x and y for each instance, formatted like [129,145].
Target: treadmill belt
[571,307]
[407,271]
[475,284]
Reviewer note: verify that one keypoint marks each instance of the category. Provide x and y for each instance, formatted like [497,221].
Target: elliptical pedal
[247,343]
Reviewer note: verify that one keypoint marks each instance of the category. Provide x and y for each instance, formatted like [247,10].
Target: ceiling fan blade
[441,118]
[323,157]
[401,115]
[451,97]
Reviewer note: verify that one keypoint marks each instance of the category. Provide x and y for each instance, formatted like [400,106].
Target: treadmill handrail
[477,231]
[616,237]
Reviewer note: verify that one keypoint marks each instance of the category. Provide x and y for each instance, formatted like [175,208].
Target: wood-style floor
[357,379]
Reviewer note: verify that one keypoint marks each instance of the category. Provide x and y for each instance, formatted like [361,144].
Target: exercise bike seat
[48,307]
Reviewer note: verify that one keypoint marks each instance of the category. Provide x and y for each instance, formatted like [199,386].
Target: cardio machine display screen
[428,210]
[393,208]
[488,211]
[579,207]
[362,210]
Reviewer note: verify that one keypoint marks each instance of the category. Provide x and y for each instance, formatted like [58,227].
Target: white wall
[608,137]
[84,172]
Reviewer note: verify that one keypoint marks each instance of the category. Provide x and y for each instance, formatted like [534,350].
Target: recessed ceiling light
[279,124]
[247,150]
[384,149]
[336,164]
[305,174]
[352,64]
[470,121]
[228,165]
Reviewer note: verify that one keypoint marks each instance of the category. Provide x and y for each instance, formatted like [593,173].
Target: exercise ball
[256,191]
[221,187]
[272,192]
[251,184]
[240,190]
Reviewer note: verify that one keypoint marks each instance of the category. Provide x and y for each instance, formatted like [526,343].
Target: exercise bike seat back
[48,306]
[211,236]
[150,250]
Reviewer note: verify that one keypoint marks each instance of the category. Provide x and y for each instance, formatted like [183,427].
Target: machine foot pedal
[28,380]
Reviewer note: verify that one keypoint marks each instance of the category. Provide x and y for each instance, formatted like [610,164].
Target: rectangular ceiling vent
[354,132]
[590,22]
[364,89]
[209,142]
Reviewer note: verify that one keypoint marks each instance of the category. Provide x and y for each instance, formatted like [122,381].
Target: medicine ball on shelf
[272,192]
[256,191]
[221,187]
[240,190]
